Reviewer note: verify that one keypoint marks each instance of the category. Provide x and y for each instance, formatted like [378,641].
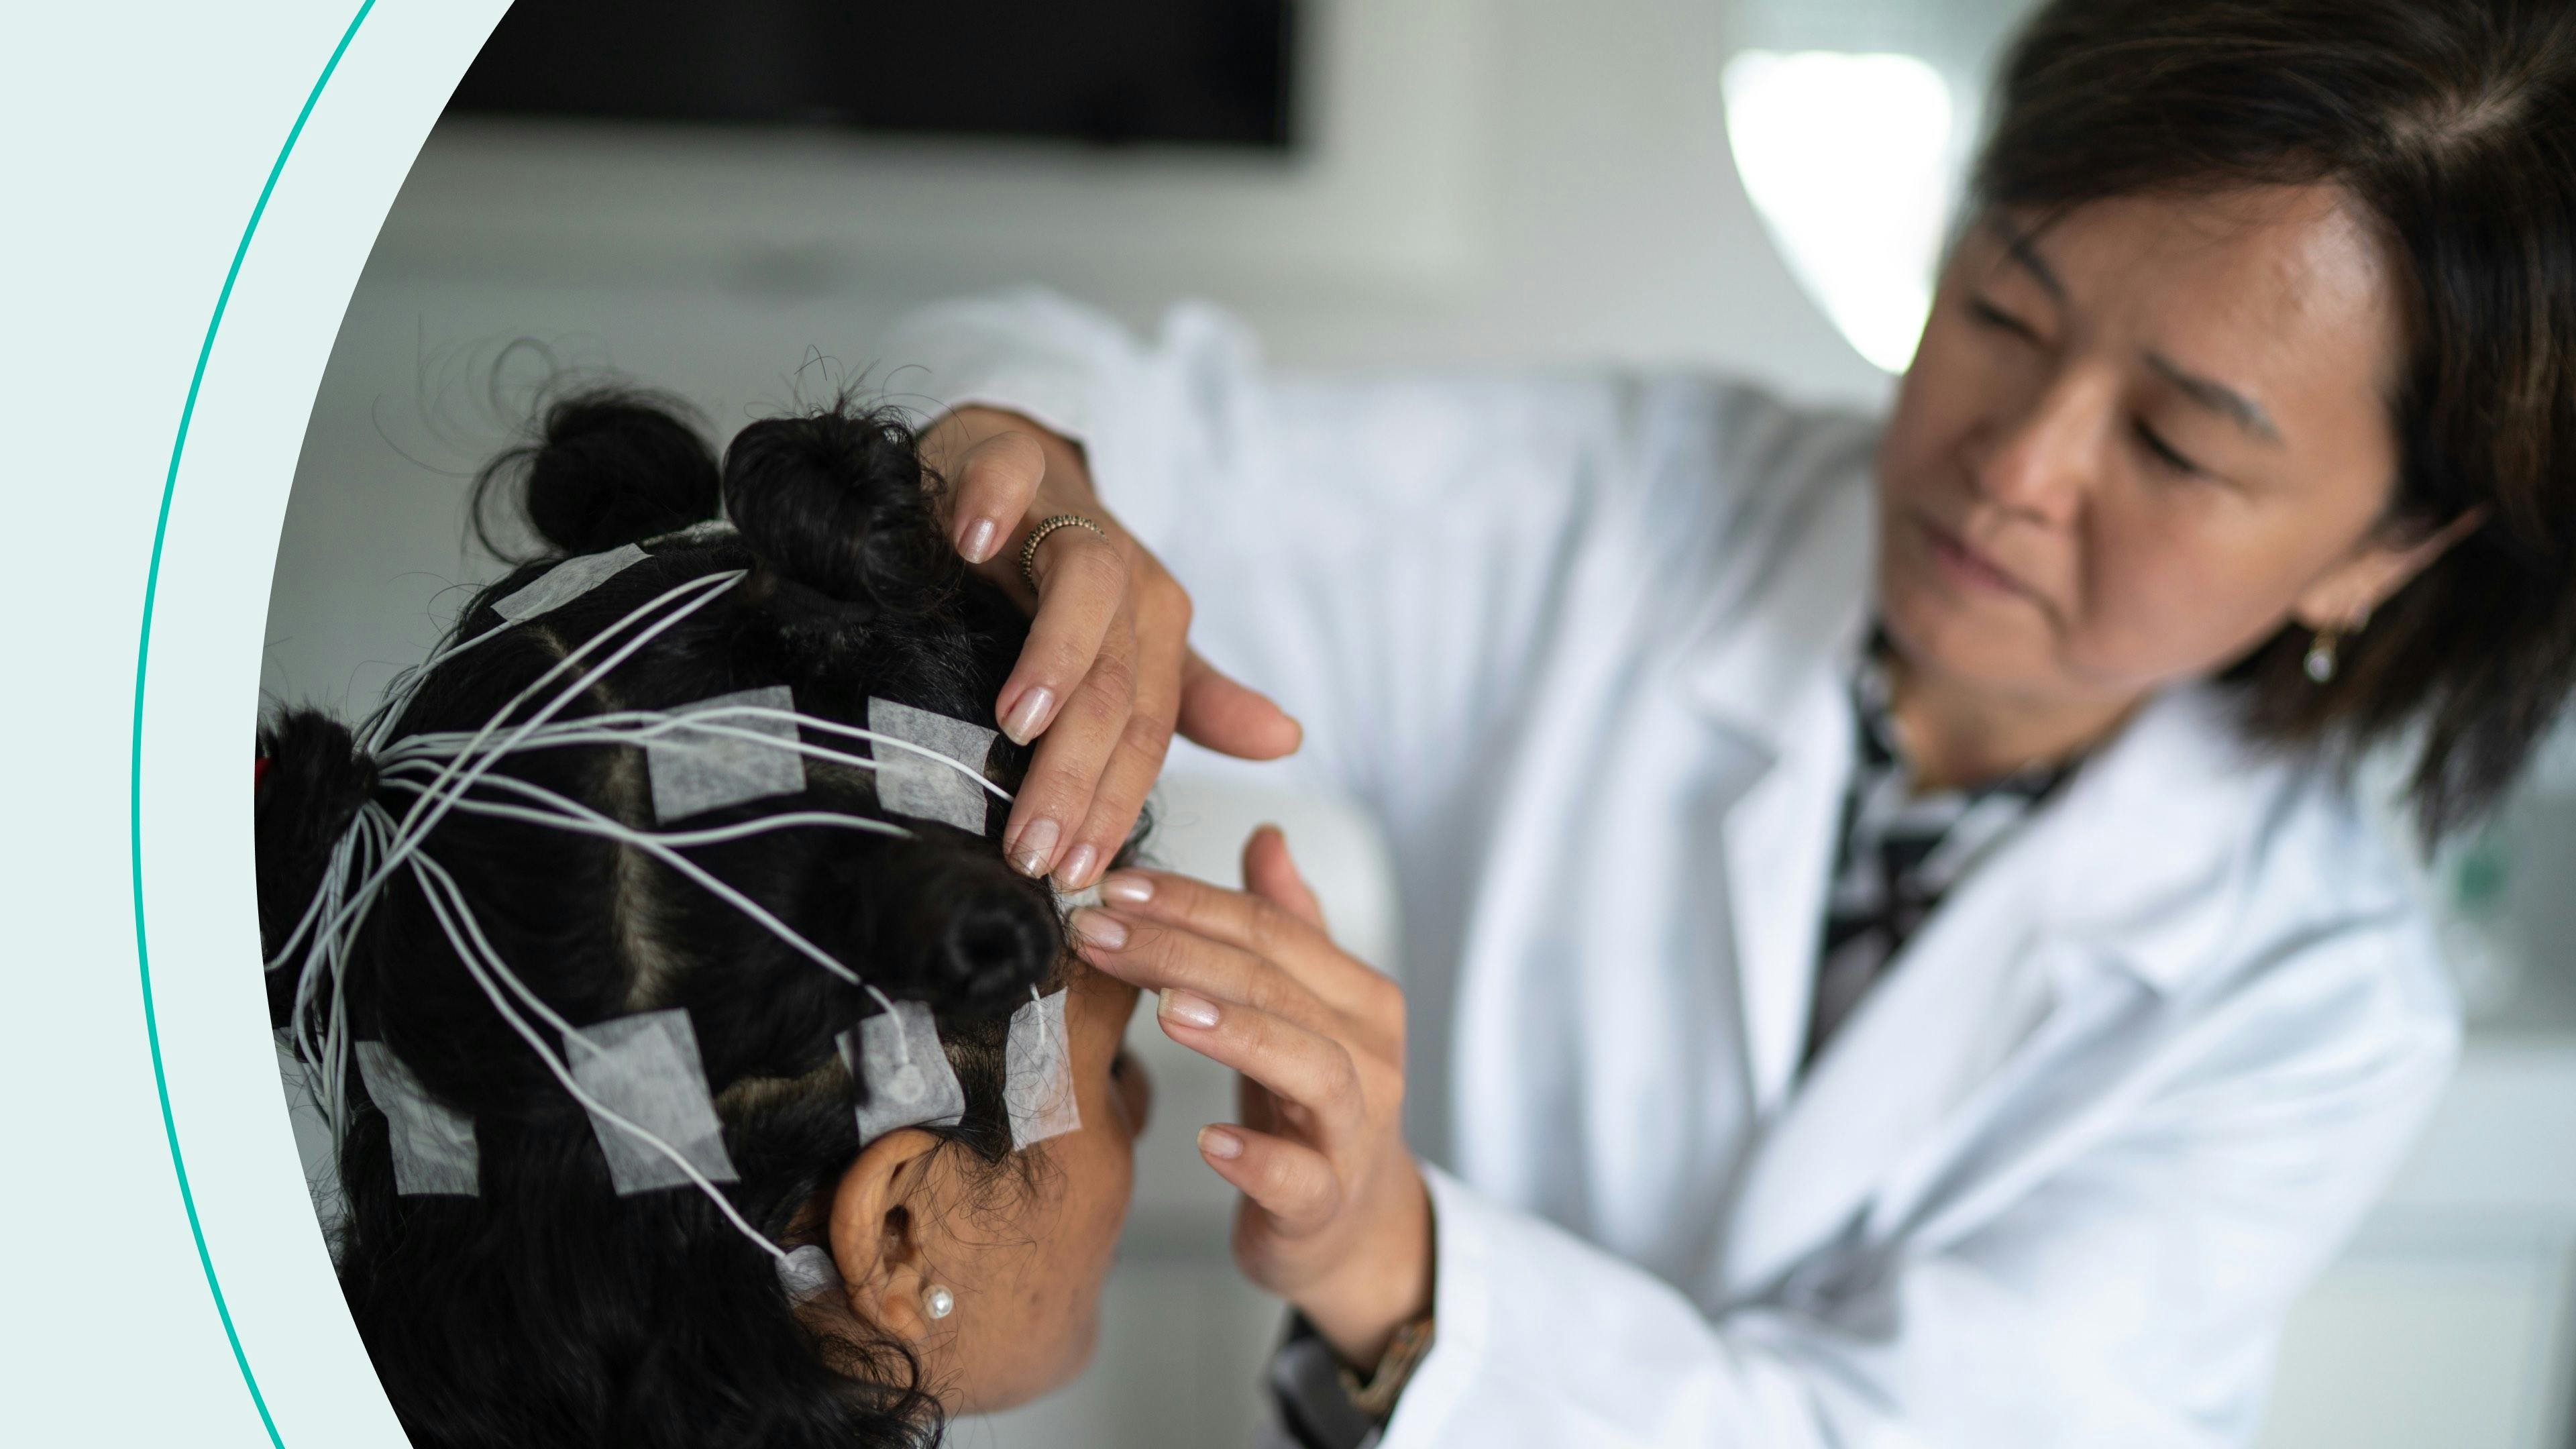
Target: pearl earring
[2320,662]
[938,1300]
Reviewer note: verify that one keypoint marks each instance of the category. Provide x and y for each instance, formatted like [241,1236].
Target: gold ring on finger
[1038,535]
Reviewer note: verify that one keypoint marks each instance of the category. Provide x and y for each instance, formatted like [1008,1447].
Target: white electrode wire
[398,694]
[611,729]
[426,866]
[762,711]
[398,697]
[337,935]
[415,824]
[328,1056]
[471,762]
[585,820]
[1045,1036]
[433,878]
[376,844]
[680,839]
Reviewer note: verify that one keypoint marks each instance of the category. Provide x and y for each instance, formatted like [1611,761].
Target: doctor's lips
[1959,561]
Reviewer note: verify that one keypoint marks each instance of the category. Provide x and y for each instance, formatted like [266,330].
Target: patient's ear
[875,1232]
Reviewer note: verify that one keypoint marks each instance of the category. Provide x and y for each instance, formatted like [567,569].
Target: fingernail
[1035,849]
[978,545]
[1076,872]
[1127,888]
[1029,715]
[1188,1010]
[1103,931]
[1219,1142]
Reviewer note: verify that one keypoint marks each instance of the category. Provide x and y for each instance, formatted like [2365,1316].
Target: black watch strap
[1309,1388]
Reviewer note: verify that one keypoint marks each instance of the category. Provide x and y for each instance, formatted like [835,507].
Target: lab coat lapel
[2123,873]
[1951,1007]
[1772,671]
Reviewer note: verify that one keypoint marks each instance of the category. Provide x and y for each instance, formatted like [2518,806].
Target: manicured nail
[1077,868]
[1128,888]
[1220,1142]
[1098,929]
[1029,715]
[1187,1009]
[1035,849]
[978,545]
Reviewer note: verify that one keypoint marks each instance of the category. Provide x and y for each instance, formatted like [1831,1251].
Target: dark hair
[2451,124]
[547,1309]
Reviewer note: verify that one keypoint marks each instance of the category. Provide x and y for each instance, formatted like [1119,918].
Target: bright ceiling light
[1847,159]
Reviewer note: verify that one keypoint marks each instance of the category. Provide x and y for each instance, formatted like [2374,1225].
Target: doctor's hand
[1335,1216]
[1107,673]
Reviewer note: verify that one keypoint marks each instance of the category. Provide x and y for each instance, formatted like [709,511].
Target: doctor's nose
[2038,462]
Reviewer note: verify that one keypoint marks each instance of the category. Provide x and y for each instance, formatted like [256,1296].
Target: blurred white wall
[1485,184]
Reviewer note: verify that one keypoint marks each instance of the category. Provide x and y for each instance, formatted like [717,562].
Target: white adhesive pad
[568,581]
[694,771]
[924,789]
[910,1084]
[1037,1070]
[808,1272]
[433,1143]
[647,1070]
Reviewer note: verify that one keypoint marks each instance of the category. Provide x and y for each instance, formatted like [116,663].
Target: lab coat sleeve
[1384,555]
[2130,1297]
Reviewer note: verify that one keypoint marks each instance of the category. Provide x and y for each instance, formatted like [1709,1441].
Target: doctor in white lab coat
[1587,646]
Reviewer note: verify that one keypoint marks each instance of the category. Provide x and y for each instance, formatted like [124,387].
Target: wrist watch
[1404,1353]
[1320,1401]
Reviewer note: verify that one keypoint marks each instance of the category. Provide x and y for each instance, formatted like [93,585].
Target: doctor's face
[2138,441]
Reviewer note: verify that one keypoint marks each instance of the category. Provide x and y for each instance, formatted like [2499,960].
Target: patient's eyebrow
[2218,397]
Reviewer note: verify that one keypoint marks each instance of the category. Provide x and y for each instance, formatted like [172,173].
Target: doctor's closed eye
[2164,454]
[1988,314]
[2160,453]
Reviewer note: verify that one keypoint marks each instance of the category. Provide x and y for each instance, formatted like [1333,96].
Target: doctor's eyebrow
[2018,246]
[2218,397]
[2209,393]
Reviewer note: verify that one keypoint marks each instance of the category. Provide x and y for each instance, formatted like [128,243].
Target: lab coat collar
[2136,867]
[1797,623]
[2144,848]
[1767,666]
[2132,845]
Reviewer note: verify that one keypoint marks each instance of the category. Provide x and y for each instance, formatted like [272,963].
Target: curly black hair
[547,1309]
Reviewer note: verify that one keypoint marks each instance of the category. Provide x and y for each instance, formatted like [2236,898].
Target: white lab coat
[1581,643]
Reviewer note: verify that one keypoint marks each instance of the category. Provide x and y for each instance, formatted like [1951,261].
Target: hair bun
[836,501]
[958,930]
[614,467]
[314,784]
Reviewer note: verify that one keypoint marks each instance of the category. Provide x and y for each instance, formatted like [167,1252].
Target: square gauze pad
[908,784]
[646,1069]
[694,771]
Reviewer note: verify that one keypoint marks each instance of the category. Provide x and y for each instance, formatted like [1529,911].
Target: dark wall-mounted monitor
[1129,72]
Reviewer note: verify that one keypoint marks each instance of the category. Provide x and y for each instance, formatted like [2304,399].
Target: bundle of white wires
[447,771]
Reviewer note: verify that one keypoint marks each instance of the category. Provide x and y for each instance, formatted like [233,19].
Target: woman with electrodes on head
[700,1072]
[1893,952]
